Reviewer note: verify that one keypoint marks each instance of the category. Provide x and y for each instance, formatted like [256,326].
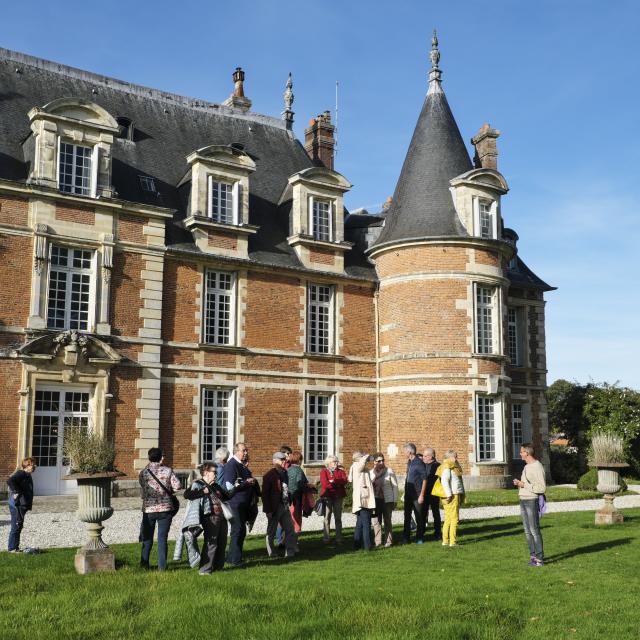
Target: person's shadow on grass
[591,548]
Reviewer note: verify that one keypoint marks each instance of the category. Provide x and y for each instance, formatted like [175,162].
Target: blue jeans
[237,534]
[531,522]
[362,533]
[17,522]
[147,529]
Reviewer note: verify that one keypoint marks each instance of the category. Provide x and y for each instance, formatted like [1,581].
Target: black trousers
[433,505]
[419,511]
[214,544]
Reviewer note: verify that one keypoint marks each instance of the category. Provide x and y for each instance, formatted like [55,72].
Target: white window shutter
[235,202]
[332,221]
[310,217]
[476,217]
[209,196]
[95,157]
[494,218]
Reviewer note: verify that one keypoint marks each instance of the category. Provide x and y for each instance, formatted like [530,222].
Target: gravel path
[53,523]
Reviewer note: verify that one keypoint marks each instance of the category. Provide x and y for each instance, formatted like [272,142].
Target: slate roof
[422,205]
[167,128]
[521,276]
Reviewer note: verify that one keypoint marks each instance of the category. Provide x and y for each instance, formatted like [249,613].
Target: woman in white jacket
[385,489]
[364,501]
[450,474]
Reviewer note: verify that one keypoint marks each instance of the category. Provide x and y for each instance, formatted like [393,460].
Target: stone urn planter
[94,507]
[609,484]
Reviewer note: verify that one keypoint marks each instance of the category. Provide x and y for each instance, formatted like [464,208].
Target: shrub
[589,481]
[88,452]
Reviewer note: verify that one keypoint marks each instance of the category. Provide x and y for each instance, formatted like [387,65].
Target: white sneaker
[269,544]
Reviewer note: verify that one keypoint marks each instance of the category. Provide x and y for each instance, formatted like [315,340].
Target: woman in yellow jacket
[450,474]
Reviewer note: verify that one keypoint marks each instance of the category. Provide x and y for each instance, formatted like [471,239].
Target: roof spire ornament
[287,114]
[435,75]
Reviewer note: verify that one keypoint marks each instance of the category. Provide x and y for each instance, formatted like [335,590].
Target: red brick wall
[179,301]
[272,316]
[77,215]
[10,382]
[16,257]
[130,228]
[322,256]
[358,322]
[122,417]
[221,240]
[421,258]
[14,211]
[126,284]
[176,429]
[358,424]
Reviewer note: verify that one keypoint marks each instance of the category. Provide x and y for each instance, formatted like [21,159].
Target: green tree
[565,406]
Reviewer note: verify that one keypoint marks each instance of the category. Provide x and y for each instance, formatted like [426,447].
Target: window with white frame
[219,308]
[70,292]
[517,429]
[218,421]
[319,436]
[486,223]
[320,318]
[75,171]
[321,219]
[488,428]
[486,319]
[222,201]
[513,336]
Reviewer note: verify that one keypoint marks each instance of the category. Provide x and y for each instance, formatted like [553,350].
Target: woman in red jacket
[333,480]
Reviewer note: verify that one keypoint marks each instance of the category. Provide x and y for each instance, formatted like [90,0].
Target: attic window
[125,128]
[148,184]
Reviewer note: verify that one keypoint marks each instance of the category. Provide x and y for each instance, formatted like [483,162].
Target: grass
[481,590]
[497,497]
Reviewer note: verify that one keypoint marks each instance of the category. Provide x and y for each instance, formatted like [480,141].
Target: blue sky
[558,78]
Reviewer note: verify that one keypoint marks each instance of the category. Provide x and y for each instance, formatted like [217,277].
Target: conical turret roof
[422,203]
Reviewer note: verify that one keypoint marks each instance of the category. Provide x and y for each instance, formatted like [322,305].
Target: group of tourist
[223,503]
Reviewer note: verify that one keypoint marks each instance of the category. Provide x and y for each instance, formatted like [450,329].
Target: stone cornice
[500,246]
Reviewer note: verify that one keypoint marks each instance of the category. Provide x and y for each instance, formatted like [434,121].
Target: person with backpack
[275,504]
[298,484]
[159,504]
[531,486]
[20,486]
[208,495]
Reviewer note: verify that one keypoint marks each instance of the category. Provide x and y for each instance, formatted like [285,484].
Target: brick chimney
[319,140]
[237,99]
[486,149]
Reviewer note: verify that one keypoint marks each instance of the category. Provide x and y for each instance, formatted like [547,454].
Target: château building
[184,274]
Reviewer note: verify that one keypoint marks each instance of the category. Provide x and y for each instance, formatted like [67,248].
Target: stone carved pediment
[70,348]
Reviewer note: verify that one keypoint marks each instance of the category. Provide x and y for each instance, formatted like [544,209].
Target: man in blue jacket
[237,474]
[415,488]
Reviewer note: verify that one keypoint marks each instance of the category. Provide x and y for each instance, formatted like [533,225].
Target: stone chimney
[237,99]
[319,140]
[486,149]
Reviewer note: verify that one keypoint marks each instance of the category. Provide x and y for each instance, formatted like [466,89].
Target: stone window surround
[100,287]
[477,224]
[74,121]
[499,426]
[497,320]
[331,443]
[233,413]
[235,310]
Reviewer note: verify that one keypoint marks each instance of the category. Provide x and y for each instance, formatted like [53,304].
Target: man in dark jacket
[237,474]
[275,504]
[433,502]
[415,488]
[20,500]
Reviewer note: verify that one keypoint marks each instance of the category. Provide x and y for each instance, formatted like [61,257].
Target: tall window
[319,318]
[517,431]
[70,289]
[219,308]
[321,220]
[218,422]
[489,428]
[75,169]
[221,201]
[486,319]
[486,219]
[513,337]
[319,427]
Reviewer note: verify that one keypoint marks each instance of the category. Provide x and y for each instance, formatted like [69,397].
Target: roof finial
[287,114]
[435,75]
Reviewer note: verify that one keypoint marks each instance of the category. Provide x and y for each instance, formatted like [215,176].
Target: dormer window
[222,201]
[147,184]
[320,225]
[75,173]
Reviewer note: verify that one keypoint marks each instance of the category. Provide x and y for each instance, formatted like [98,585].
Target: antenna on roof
[335,152]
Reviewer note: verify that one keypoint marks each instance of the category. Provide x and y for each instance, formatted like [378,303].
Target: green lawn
[482,589]
[495,497]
